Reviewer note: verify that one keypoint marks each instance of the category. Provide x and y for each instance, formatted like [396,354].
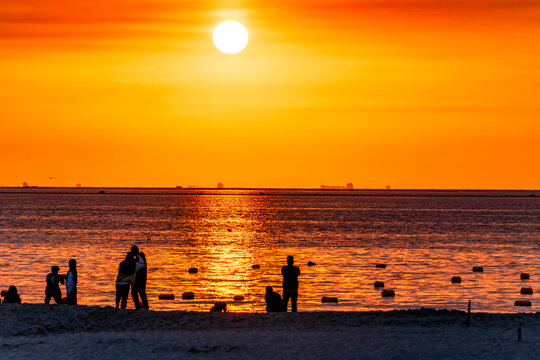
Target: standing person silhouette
[139,284]
[71,283]
[53,286]
[290,283]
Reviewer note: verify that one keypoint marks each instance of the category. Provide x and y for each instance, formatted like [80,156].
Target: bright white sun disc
[230,37]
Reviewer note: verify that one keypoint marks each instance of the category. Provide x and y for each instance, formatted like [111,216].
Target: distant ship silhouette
[334,187]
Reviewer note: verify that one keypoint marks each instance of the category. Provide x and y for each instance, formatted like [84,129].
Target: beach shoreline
[87,332]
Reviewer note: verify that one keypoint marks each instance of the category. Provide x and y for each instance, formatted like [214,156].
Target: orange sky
[413,94]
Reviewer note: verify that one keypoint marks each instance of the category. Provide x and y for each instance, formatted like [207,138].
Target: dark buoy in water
[229,229]
[526,291]
[166,297]
[329,299]
[522,303]
[478,269]
[188,295]
[193,270]
[310,263]
[101,192]
[256,266]
[378,284]
[388,293]
[380,266]
[456,279]
[525,276]
[238,297]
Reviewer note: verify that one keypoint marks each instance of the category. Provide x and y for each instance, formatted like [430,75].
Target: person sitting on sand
[139,284]
[53,286]
[290,283]
[273,300]
[71,283]
[12,297]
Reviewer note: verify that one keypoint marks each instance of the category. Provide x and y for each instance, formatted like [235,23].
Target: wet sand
[30,330]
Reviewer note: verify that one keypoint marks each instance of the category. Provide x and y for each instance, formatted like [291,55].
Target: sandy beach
[31,330]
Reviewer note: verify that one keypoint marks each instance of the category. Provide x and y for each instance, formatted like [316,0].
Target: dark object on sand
[522,303]
[238,297]
[256,266]
[525,276]
[478,269]
[329,299]
[11,296]
[188,295]
[310,263]
[381,266]
[456,279]
[526,291]
[388,293]
[193,270]
[378,284]
[220,306]
[166,297]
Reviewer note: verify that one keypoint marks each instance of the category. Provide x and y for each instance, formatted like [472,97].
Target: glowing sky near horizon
[423,94]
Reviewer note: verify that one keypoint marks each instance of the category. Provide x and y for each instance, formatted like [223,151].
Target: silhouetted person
[53,286]
[71,283]
[273,300]
[124,279]
[290,283]
[12,297]
[139,285]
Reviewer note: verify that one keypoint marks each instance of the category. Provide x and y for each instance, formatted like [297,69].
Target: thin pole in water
[469,315]
[519,333]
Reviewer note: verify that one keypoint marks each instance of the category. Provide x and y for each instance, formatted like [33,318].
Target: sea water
[423,237]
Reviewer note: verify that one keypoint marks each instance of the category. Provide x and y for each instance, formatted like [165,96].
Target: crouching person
[53,286]
[273,300]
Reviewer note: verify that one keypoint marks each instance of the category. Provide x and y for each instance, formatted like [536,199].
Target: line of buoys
[388,293]
[256,266]
[193,270]
[522,303]
[238,297]
[310,263]
[329,299]
[456,279]
[526,291]
[380,266]
[478,269]
[166,297]
[188,295]
[378,284]
[524,276]
[219,306]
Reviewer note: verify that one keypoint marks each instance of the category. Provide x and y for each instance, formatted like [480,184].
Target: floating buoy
[229,229]
[382,266]
[478,269]
[388,293]
[193,270]
[238,297]
[456,279]
[522,303]
[310,263]
[188,295]
[4,292]
[378,284]
[220,306]
[166,297]
[525,276]
[329,299]
[526,291]
[256,266]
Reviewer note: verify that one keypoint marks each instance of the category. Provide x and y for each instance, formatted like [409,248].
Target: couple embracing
[132,272]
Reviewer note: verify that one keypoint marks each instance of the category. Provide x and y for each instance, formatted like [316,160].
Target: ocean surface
[424,238]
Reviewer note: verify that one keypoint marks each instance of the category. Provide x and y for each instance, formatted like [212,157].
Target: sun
[230,37]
